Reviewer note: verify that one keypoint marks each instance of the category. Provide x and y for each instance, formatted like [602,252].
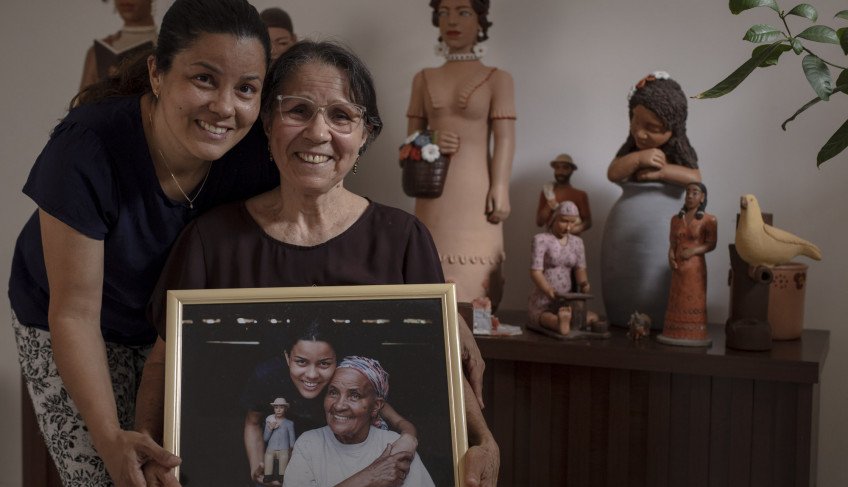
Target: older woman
[320,113]
[330,455]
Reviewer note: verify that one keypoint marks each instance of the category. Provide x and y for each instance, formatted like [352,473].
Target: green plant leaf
[836,144]
[804,10]
[843,39]
[772,59]
[818,75]
[820,33]
[841,15]
[728,84]
[797,46]
[842,82]
[737,6]
[763,33]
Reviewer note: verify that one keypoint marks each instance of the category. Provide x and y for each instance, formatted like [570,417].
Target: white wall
[573,63]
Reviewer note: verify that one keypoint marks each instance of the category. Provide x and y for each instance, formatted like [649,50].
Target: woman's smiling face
[209,98]
[351,404]
[314,158]
[311,365]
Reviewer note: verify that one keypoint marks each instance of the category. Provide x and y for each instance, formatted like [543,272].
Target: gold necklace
[189,200]
[168,167]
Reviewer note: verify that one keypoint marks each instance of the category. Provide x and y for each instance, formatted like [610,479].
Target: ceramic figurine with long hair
[693,233]
[653,167]
[465,101]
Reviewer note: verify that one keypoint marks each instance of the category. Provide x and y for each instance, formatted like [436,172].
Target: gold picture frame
[216,339]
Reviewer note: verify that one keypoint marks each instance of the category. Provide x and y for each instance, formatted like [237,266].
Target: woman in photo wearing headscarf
[350,442]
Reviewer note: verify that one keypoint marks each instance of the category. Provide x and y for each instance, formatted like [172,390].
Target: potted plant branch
[774,41]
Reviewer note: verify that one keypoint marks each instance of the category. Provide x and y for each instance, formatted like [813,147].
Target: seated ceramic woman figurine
[555,253]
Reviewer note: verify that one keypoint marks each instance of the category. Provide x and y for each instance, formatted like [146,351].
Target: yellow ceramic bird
[762,244]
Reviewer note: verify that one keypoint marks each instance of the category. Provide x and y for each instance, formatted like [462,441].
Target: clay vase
[786,301]
[635,275]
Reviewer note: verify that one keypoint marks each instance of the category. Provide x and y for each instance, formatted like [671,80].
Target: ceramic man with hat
[279,437]
[561,190]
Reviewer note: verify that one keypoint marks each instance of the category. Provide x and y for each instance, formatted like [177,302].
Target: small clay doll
[653,166]
[279,438]
[469,105]
[555,253]
[561,190]
[693,234]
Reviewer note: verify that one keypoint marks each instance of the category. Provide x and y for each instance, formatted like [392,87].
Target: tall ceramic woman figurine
[653,166]
[555,253]
[466,101]
[693,234]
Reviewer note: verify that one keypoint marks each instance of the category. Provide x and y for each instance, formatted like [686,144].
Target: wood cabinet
[622,413]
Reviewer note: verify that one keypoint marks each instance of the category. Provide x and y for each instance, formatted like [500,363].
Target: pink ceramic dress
[555,260]
[464,97]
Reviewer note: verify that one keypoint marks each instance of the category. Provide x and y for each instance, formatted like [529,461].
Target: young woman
[135,160]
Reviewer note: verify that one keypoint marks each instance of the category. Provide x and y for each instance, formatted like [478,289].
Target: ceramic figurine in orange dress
[693,234]
[465,102]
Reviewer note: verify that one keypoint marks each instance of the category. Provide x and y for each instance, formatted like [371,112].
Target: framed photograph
[237,357]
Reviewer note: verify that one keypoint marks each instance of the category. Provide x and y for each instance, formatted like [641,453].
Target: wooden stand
[619,412]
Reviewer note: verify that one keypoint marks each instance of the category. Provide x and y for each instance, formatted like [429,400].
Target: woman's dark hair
[183,23]
[665,98]
[317,330]
[481,8]
[360,83]
[699,213]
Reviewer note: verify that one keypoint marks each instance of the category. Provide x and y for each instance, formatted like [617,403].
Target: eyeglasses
[342,117]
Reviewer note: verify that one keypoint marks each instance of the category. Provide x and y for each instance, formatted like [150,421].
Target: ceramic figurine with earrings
[653,168]
[693,233]
[466,103]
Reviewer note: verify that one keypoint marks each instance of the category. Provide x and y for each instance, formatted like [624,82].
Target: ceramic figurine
[279,439]
[138,34]
[693,234]
[653,166]
[760,244]
[466,101]
[555,253]
[280,30]
[561,190]
[639,326]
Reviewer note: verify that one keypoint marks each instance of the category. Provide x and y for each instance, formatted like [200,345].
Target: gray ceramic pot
[635,275]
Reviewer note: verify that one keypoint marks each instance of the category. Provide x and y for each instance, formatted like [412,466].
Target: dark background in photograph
[214,375]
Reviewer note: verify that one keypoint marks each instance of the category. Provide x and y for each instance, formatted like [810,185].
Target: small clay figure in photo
[693,234]
[559,190]
[555,254]
[279,438]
